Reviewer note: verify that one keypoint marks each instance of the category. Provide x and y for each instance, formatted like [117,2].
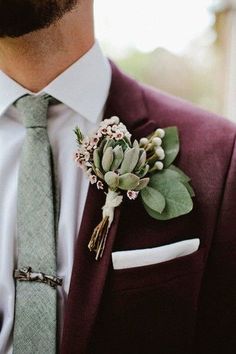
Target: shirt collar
[83,87]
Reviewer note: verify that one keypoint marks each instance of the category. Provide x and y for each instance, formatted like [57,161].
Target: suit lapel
[89,276]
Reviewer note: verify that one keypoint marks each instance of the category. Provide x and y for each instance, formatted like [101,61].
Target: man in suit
[184,305]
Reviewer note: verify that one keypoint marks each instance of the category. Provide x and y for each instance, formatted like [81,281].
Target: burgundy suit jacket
[186,305]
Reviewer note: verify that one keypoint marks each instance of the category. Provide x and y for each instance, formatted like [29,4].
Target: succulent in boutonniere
[142,168]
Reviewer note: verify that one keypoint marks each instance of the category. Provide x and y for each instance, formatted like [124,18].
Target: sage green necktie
[36,297]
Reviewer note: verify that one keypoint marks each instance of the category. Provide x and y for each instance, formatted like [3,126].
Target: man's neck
[37,58]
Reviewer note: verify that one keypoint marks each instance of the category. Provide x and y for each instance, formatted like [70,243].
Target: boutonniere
[123,168]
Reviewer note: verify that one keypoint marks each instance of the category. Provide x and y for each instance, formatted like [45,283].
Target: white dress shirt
[83,89]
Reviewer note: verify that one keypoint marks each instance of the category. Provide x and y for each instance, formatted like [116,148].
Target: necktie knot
[34,110]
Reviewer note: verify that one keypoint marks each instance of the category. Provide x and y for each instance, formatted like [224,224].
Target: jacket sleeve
[216,324]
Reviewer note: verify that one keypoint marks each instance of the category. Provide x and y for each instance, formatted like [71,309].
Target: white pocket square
[150,256]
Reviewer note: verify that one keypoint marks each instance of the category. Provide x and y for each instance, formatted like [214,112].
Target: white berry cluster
[154,149]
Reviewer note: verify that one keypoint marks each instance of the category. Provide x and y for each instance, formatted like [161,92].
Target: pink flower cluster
[113,129]
[109,128]
[132,195]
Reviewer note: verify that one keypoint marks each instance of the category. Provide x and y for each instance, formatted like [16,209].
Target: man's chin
[20,32]
[17,34]
[18,18]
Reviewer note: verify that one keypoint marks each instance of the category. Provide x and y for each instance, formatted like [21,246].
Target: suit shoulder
[197,127]
[171,110]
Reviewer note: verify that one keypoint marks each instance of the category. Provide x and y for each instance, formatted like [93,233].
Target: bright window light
[146,25]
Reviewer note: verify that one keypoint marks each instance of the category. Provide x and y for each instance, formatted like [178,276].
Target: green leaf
[123,143]
[143,171]
[142,183]
[98,173]
[128,181]
[190,189]
[164,175]
[153,199]
[118,157]
[108,143]
[184,177]
[96,158]
[171,172]
[142,159]
[102,144]
[170,144]
[174,173]
[177,197]
[112,179]
[130,160]
[107,159]
[79,135]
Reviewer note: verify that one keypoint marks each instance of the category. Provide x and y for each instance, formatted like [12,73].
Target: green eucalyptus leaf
[112,179]
[107,159]
[128,181]
[166,174]
[154,214]
[130,160]
[173,173]
[190,189]
[170,144]
[177,197]
[184,177]
[142,184]
[153,199]
[118,157]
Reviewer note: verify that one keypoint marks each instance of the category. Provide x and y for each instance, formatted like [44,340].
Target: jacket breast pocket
[157,274]
[150,309]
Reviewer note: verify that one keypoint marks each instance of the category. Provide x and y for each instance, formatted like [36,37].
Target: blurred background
[185,47]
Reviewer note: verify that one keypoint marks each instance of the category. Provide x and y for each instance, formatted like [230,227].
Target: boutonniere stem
[100,233]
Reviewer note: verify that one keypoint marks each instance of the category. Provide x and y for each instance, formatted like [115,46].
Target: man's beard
[18,17]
